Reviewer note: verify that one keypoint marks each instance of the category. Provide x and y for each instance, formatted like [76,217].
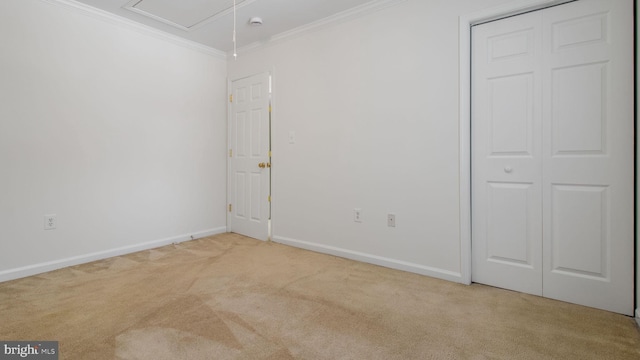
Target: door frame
[230,81]
[465,23]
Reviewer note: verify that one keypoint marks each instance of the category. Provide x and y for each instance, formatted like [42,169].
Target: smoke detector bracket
[255,21]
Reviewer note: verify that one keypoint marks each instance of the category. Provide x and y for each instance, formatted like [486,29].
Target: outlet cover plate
[391,220]
[357,215]
[50,222]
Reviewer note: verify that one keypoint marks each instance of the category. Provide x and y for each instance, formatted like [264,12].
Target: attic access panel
[184,14]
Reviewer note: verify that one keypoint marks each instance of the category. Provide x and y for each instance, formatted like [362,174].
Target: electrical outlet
[357,215]
[391,220]
[50,222]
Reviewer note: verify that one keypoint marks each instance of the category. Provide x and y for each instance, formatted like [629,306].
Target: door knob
[262,165]
[508,169]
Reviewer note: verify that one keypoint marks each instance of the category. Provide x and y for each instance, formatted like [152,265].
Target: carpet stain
[189,314]
[170,344]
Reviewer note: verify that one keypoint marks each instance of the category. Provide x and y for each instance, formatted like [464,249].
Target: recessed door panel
[579,117]
[256,91]
[511,45]
[240,143]
[256,196]
[240,194]
[580,31]
[240,94]
[509,223]
[580,236]
[511,114]
[256,133]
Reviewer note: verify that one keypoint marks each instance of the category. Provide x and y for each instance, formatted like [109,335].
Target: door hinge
[269,109]
[269,198]
[229,207]
[231,98]
[230,152]
[269,153]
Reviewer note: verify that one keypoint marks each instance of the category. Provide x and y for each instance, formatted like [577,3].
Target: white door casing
[552,154]
[249,157]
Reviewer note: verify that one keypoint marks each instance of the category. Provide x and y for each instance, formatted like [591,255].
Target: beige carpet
[231,297]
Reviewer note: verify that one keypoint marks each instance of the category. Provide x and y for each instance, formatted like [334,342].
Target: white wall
[119,133]
[374,104]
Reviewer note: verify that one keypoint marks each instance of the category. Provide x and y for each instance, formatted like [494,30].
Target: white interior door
[552,153]
[506,156]
[588,154]
[249,158]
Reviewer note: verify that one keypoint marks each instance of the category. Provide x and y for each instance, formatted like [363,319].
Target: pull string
[235,53]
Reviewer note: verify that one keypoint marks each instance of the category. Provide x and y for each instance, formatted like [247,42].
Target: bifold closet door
[552,153]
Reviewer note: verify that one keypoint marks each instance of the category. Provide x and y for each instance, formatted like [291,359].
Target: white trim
[638,316]
[272,122]
[271,127]
[135,26]
[228,148]
[465,23]
[343,16]
[372,259]
[35,269]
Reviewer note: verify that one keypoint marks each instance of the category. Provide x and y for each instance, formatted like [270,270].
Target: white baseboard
[35,269]
[373,259]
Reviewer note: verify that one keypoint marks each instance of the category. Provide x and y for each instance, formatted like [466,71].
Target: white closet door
[588,134]
[507,154]
[552,134]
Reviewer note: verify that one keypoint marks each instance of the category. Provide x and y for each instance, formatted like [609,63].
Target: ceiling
[210,22]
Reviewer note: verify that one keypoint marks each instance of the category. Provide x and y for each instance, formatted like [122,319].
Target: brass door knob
[262,165]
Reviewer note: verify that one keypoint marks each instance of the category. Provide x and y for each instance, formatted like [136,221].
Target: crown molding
[140,28]
[343,16]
